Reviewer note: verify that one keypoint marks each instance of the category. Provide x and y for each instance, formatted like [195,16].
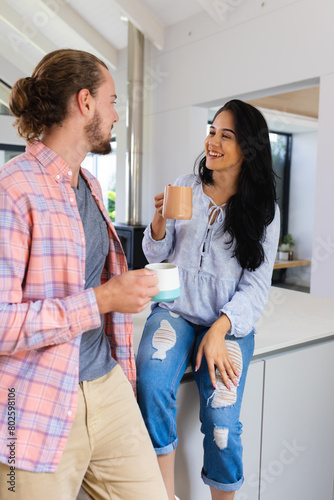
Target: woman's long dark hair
[252,208]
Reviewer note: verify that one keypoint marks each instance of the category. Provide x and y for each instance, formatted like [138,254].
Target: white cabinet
[298,425]
[189,455]
[288,435]
[189,452]
[251,418]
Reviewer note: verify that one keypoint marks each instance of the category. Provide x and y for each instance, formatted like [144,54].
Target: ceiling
[31,28]
[300,102]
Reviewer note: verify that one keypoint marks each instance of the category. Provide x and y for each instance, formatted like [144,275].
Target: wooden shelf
[283,264]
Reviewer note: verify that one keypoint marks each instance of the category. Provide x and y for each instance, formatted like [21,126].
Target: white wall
[175,132]
[8,132]
[175,140]
[322,270]
[258,48]
[284,45]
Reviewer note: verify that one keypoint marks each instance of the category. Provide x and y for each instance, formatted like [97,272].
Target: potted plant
[285,247]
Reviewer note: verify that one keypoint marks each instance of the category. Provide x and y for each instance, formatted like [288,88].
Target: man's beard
[98,144]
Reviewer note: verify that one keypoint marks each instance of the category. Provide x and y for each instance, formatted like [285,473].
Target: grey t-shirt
[95,355]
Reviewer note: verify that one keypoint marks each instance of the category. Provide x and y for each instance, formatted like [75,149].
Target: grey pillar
[134,152]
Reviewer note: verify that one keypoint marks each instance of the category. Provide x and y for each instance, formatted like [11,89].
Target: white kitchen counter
[290,319]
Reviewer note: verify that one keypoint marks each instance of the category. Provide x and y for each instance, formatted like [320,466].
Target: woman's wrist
[223,324]
[158,227]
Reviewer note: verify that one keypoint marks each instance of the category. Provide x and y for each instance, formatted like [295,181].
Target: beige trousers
[108,451]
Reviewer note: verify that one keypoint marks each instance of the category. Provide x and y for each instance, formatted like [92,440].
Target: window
[281,145]
[103,167]
[4,110]
[8,151]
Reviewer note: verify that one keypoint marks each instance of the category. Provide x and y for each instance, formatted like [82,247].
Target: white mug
[169,281]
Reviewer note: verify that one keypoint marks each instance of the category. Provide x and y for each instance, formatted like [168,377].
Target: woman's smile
[214,154]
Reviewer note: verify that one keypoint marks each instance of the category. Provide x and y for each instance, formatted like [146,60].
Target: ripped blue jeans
[168,344]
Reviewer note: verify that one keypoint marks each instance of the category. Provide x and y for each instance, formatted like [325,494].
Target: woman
[225,255]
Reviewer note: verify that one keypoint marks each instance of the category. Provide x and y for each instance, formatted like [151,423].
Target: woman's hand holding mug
[174,203]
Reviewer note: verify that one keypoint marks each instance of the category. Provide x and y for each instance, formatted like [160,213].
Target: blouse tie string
[215,218]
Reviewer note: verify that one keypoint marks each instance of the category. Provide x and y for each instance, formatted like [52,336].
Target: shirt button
[71,199]
[57,176]
[69,413]
[84,282]
[69,173]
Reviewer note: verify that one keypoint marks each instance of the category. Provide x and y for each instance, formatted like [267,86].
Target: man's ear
[85,101]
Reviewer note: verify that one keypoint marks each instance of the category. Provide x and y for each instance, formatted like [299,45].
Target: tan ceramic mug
[177,202]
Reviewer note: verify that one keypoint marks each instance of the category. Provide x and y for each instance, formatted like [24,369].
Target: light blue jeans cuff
[167,449]
[220,486]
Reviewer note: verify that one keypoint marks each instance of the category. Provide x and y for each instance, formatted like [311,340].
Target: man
[68,414]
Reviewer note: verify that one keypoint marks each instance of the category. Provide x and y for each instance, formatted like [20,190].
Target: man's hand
[129,292]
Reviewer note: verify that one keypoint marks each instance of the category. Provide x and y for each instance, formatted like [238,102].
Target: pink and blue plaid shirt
[44,307]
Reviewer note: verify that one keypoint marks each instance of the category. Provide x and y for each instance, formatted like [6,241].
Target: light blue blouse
[212,280]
